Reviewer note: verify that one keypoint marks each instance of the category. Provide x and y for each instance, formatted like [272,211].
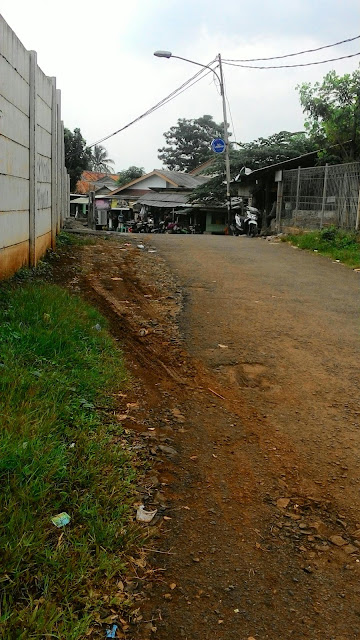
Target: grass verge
[59,452]
[334,243]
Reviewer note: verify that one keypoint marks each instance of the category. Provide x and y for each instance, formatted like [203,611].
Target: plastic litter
[145,516]
[97,327]
[140,246]
[61,520]
[111,633]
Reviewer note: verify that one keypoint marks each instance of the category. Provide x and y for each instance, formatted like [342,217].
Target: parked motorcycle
[246,224]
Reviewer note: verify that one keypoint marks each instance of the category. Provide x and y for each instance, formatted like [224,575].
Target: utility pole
[220,78]
[226,140]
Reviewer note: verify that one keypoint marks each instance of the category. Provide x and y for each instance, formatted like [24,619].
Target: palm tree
[100,161]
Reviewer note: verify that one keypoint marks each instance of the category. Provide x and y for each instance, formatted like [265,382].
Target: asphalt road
[290,323]
[258,400]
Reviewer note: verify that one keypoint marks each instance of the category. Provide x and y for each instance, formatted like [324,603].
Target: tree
[332,108]
[253,155]
[189,143]
[127,175]
[77,155]
[100,160]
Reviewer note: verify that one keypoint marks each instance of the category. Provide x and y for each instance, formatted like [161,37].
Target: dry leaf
[282,503]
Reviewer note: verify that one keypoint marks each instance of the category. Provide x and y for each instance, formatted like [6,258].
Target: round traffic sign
[218,145]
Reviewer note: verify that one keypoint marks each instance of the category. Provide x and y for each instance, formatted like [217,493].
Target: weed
[69,239]
[335,243]
[58,454]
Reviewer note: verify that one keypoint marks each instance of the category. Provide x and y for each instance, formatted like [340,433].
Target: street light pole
[168,54]
[226,140]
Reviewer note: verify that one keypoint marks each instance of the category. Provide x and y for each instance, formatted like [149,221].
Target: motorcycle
[246,224]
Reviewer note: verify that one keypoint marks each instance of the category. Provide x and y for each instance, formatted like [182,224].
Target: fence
[34,185]
[320,196]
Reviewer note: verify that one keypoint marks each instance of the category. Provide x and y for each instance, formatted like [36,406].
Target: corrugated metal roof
[183,179]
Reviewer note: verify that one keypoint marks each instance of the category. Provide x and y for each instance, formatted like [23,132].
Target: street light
[168,54]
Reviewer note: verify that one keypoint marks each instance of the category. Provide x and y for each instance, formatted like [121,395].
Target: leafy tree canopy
[127,175]
[332,108]
[100,160]
[253,155]
[188,143]
[78,156]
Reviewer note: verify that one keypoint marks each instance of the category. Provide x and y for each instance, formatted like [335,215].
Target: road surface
[249,373]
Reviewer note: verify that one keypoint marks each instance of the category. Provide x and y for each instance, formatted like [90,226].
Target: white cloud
[103,60]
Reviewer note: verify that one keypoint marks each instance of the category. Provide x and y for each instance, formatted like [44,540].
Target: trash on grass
[97,327]
[111,633]
[145,516]
[223,346]
[116,278]
[140,246]
[61,520]
[152,251]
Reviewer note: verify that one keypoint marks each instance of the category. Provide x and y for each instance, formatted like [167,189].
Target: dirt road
[248,363]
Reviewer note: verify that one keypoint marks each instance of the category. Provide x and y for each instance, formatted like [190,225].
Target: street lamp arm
[205,66]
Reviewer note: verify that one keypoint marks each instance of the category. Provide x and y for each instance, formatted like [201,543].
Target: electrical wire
[288,66]
[299,53]
[199,75]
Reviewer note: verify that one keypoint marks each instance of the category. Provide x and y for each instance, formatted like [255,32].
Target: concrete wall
[34,185]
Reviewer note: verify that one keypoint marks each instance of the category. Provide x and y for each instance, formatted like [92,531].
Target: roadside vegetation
[332,242]
[60,451]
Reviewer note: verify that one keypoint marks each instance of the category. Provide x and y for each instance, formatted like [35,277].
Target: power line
[199,75]
[299,53]
[288,66]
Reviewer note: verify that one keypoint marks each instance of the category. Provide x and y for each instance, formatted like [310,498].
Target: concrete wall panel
[14,194]
[13,50]
[43,243]
[13,87]
[43,195]
[43,168]
[14,123]
[43,114]
[44,87]
[43,222]
[13,258]
[14,159]
[43,142]
[14,228]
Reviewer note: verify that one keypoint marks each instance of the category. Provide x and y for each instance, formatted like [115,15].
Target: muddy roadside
[238,548]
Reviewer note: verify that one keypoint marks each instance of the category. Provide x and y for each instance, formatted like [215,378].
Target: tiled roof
[88,178]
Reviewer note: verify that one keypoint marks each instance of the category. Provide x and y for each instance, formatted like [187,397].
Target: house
[160,192]
[96,181]
[262,185]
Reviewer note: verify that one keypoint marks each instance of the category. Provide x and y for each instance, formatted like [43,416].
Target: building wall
[152,181]
[33,180]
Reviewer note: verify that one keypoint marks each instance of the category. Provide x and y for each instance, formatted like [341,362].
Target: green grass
[58,452]
[331,242]
[65,239]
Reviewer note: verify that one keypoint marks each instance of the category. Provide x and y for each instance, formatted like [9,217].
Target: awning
[164,200]
[80,201]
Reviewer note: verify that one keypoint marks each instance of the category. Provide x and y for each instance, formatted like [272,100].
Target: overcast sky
[102,57]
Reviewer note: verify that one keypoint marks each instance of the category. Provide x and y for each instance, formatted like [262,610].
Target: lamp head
[163,54]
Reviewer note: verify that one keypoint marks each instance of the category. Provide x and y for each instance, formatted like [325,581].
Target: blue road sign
[218,145]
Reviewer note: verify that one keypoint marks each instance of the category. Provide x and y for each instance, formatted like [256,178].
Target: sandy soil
[246,359]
